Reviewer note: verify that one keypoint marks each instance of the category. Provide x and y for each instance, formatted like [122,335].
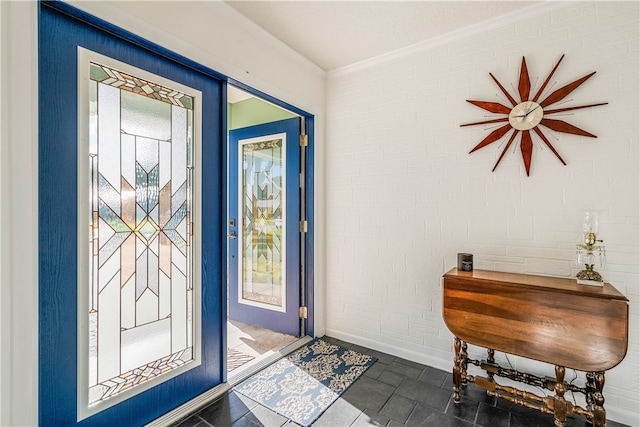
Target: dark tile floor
[393,392]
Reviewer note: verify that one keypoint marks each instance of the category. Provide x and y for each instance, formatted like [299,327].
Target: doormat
[236,358]
[304,384]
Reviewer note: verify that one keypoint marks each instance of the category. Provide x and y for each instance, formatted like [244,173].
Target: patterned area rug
[304,384]
[236,358]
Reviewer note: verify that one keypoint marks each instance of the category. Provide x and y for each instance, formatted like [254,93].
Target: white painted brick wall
[403,197]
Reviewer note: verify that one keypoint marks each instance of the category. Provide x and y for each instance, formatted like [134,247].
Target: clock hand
[521,116]
[531,111]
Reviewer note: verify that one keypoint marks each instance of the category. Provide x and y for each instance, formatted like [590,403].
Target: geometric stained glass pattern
[138,376]
[263,222]
[124,81]
[141,284]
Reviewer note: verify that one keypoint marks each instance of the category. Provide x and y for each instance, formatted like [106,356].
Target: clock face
[527,117]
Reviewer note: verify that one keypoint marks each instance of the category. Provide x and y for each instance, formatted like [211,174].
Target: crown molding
[481,27]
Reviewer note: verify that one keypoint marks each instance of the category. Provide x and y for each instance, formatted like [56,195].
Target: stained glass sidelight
[262,259]
[140,253]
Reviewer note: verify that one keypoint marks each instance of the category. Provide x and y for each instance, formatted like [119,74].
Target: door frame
[19,210]
[284,319]
[307,246]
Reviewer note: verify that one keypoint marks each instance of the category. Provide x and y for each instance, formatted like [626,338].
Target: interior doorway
[267,201]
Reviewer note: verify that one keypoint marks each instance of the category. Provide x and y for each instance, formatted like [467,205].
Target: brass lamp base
[589,277]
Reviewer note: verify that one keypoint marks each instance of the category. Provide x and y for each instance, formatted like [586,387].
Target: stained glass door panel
[141,279]
[264,285]
[263,276]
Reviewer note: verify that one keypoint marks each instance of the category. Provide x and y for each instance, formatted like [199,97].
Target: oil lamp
[589,252]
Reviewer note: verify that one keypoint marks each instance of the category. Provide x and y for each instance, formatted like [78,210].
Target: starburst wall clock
[530,115]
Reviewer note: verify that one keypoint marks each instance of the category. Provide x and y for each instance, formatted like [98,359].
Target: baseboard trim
[404,353]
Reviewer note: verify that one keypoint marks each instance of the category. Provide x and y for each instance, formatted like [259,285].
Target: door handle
[232,235]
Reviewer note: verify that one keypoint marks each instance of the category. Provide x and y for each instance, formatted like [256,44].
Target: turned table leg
[464,356]
[457,361]
[459,367]
[595,398]
[560,404]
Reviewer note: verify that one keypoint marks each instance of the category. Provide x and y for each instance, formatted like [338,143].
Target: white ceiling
[335,34]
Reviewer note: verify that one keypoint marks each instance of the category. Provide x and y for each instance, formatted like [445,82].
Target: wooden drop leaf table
[549,319]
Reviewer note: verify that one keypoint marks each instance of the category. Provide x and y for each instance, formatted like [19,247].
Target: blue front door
[131,213]
[264,226]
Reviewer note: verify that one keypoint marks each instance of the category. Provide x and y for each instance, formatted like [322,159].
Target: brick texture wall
[403,196]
